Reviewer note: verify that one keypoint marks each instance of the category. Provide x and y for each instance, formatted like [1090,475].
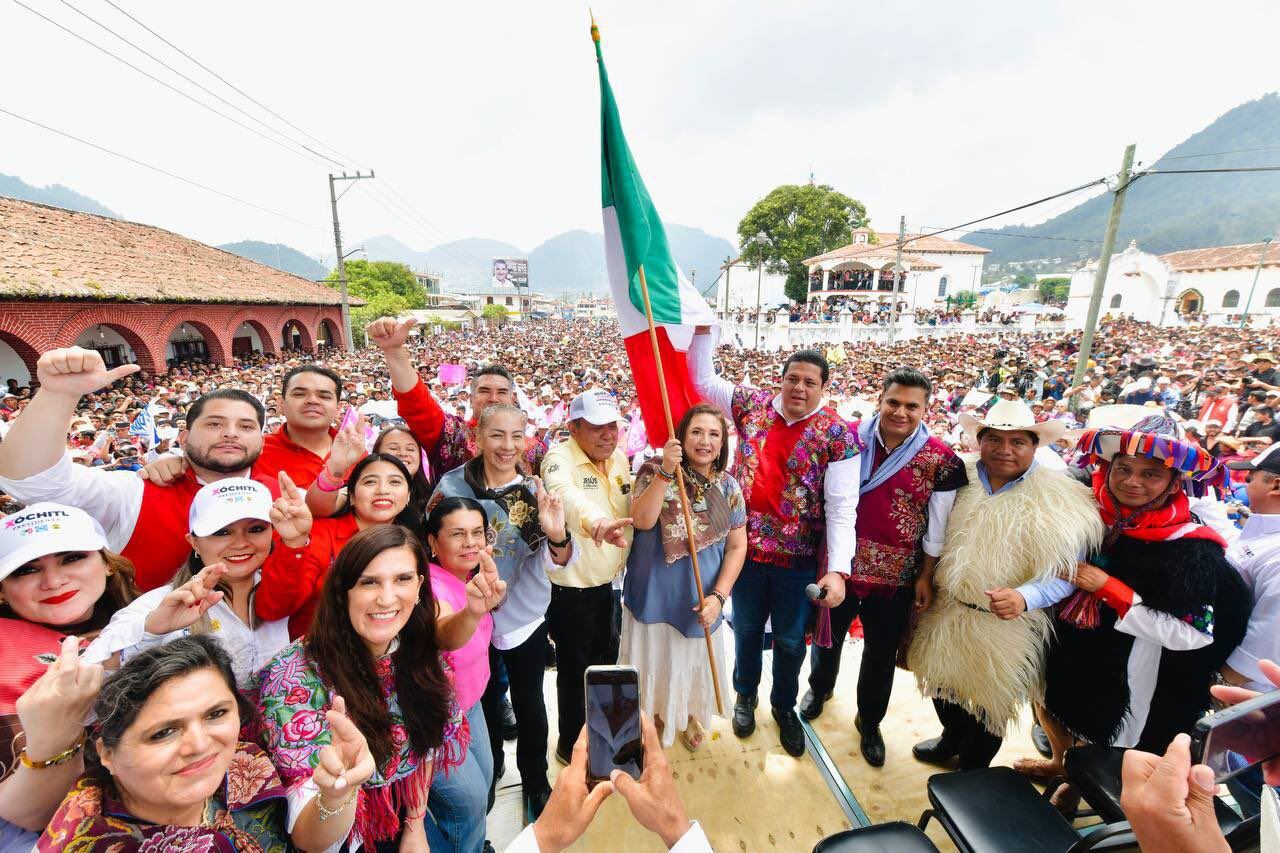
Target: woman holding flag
[662,625]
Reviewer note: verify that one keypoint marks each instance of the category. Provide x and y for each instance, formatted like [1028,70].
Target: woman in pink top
[466,586]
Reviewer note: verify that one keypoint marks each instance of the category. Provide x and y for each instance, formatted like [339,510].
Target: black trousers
[884,619]
[582,624]
[525,664]
[961,730]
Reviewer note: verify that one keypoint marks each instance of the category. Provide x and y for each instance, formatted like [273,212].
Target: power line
[164,172]
[195,83]
[1208,154]
[1205,171]
[151,76]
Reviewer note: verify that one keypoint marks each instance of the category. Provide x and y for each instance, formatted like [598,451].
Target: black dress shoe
[872,743]
[811,705]
[744,715]
[1041,741]
[937,750]
[535,801]
[790,732]
[509,729]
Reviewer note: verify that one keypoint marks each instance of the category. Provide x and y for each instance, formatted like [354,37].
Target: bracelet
[664,475]
[720,597]
[568,537]
[61,758]
[325,813]
[324,483]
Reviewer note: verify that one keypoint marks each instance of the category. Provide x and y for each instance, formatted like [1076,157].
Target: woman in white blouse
[231,535]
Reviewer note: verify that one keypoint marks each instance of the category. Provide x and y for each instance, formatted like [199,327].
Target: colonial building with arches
[1213,284]
[141,294]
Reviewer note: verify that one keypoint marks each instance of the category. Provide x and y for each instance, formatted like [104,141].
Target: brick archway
[147,343]
[304,332]
[27,340]
[270,342]
[329,328]
[218,345]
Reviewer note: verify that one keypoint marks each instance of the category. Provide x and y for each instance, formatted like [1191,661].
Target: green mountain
[1165,213]
[280,256]
[55,195]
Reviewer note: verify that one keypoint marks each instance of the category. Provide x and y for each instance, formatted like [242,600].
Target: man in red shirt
[144,522]
[310,401]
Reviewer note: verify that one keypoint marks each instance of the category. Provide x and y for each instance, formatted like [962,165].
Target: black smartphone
[1234,739]
[614,739]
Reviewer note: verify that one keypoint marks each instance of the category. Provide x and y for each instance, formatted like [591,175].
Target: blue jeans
[765,592]
[456,805]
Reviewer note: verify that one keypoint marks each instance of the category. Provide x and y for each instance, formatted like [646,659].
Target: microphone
[815,592]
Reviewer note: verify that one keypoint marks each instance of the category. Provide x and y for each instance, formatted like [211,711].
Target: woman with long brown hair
[662,625]
[373,642]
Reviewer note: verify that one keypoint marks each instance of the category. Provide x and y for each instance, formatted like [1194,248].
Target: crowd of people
[870,312]
[303,600]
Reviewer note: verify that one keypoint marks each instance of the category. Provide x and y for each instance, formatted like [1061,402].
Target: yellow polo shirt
[589,495]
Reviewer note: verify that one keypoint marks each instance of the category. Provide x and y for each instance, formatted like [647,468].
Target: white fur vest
[1033,532]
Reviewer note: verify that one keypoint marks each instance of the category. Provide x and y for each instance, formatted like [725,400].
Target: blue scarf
[868,433]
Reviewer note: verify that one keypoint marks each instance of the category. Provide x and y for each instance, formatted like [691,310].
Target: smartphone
[1234,739]
[614,739]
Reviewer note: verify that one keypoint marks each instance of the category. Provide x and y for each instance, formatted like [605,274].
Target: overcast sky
[485,116]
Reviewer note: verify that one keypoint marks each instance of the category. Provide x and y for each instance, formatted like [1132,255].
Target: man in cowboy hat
[972,653]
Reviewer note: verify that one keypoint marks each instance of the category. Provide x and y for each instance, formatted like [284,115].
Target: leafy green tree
[1054,288]
[367,279]
[1024,279]
[377,305]
[798,221]
[964,298]
[494,312]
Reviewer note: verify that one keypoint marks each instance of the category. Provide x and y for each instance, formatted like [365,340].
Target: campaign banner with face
[511,272]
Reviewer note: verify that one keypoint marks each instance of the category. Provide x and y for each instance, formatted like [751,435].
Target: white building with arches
[1212,283]
[933,269]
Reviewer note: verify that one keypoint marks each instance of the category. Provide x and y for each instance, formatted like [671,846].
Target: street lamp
[761,240]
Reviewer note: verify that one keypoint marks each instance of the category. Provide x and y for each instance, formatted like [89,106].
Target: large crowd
[302,600]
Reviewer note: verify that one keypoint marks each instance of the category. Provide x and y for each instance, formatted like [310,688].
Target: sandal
[693,736]
[1038,768]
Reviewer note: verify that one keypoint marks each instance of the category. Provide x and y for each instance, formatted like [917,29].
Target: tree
[1052,289]
[496,313]
[366,279]
[378,305]
[964,298]
[798,221]
[1024,279]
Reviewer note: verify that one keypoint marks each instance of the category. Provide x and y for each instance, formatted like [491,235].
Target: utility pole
[342,261]
[728,266]
[759,280]
[1244,318]
[1100,279]
[897,272]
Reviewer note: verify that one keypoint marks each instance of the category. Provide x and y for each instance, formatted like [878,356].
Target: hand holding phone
[614,740]
[1245,734]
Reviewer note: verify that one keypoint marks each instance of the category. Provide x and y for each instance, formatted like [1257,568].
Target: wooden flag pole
[680,492]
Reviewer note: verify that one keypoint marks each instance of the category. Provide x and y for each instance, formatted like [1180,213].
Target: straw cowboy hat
[1013,416]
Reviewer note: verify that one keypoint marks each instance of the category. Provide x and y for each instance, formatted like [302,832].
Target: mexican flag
[634,237]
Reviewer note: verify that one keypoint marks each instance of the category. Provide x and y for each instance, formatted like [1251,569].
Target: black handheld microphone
[815,592]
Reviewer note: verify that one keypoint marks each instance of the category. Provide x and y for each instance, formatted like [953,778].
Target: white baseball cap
[596,407]
[226,501]
[46,528]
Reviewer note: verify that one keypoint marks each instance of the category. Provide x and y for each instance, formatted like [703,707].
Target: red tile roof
[51,253]
[888,241]
[1221,257]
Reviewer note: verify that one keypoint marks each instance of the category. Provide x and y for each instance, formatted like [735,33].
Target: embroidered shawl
[292,700]
[246,815]
[519,502]
[826,438]
[708,505]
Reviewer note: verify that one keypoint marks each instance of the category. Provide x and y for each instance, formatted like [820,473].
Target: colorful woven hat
[1155,436]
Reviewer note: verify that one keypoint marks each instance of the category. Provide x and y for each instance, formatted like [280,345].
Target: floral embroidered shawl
[709,506]
[247,815]
[292,700]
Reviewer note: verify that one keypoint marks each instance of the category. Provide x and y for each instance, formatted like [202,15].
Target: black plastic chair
[897,836]
[996,809]
[1095,771]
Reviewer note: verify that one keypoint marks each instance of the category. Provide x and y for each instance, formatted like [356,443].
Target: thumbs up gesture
[486,590]
[75,371]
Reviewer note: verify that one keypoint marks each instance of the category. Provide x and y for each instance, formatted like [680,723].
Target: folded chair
[897,837]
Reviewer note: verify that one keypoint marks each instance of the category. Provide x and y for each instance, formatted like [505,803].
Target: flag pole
[680,491]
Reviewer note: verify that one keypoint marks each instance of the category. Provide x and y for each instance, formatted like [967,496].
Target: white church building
[1213,285]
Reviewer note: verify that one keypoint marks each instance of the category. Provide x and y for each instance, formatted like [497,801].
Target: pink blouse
[471,662]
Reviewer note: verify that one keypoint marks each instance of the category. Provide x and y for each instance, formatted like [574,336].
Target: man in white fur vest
[1013,539]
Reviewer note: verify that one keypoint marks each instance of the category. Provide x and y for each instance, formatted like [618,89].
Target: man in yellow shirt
[590,472]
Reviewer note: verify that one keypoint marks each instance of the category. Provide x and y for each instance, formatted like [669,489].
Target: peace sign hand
[387,333]
[348,448]
[290,515]
[345,763]
[53,709]
[184,606]
[550,512]
[486,590]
